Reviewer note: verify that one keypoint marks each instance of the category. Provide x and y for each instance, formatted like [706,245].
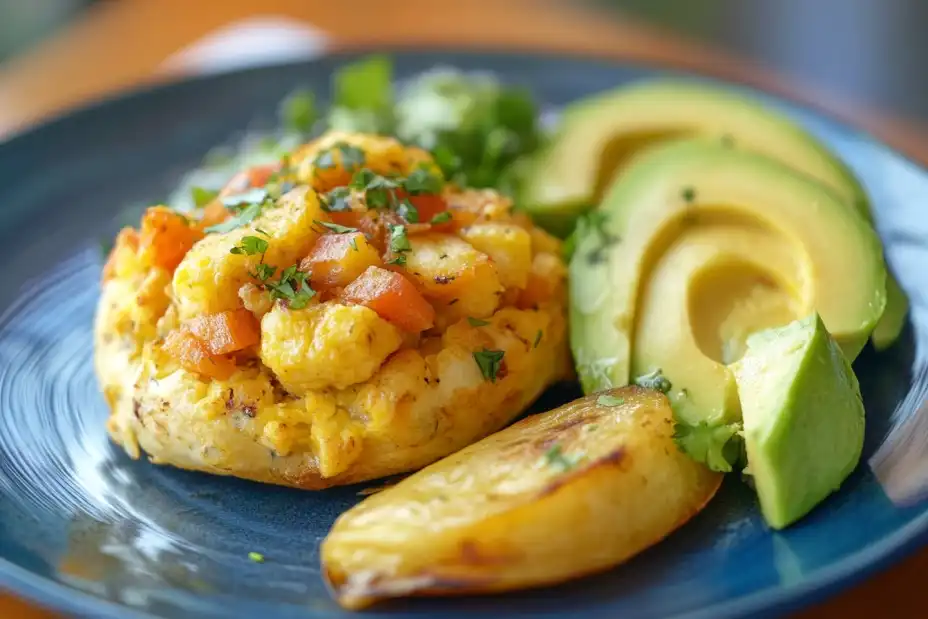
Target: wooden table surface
[123,44]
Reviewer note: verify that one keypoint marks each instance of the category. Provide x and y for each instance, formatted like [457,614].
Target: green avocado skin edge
[563,178]
[803,418]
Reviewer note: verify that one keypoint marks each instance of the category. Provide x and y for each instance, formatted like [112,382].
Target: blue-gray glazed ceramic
[86,530]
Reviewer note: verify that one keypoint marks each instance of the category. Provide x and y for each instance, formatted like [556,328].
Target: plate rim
[46,592]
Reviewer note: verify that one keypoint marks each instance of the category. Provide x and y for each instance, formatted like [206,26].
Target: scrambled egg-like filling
[342,316]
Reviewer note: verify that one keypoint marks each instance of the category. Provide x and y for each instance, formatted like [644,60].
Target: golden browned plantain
[558,495]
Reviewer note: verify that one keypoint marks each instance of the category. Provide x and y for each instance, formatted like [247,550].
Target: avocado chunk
[803,417]
[697,246]
[600,136]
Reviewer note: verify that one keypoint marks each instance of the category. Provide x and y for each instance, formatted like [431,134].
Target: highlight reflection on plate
[86,529]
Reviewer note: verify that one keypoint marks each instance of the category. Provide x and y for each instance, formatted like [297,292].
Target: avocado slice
[789,234]
[600,136]
[803,417]
[711,289]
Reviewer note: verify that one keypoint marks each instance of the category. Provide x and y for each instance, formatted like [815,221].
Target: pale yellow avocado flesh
[600,136]
[754,246]
[716,284]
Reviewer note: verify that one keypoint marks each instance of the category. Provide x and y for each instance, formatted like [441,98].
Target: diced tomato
[427,205]
[214,213]
[349,219]
[166,237]
[256,176]
[338,259]
[127,239]
[226,332]
[193,355]
[393,297]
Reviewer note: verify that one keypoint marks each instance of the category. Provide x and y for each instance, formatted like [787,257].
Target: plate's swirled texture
[85,528]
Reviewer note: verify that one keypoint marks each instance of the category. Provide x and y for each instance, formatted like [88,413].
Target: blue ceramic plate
[87,530]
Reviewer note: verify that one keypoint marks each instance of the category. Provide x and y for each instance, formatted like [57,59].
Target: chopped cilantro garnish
[250,246]
[441,218]
[239,200]
[379,191]
[609,400]
[654,380]
[718,446]
[555,457]
[201,196]
[351,157]
[688,194]
[244,216]
[422,181]
[365,84]
[399,242]
[292,287]
[336,201]
[408,212]
[476,322]
[298,111]
[398,260]
[337,229]
[353,241]
[256,557]
[538,338]
[489,362]
[264,272]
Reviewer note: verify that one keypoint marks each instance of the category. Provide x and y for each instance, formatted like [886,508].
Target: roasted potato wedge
[558,495]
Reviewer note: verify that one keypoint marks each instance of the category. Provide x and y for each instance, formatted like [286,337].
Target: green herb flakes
[291,287]
[256,557]
[538,337]
[718,446]
[337,200]
[490,362]
[654,380]
[441,218]
[201,196]
[476,322]
[423,181]
[337,229]
[399,242]
[244,216]
[246,198]
[555,457]
[264,272]
[250,246]
[408,212]
[609,400]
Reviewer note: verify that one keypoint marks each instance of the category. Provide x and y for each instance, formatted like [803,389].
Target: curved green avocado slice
[601,135]
[826,258]
[723,280]
[803,417]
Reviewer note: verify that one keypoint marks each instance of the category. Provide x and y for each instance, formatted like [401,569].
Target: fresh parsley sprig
[490,363]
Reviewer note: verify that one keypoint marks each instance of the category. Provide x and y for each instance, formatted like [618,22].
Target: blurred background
[864,56]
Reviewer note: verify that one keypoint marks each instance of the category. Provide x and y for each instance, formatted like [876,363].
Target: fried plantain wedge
[558,495]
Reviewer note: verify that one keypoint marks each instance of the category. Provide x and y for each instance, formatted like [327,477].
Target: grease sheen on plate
[177,544]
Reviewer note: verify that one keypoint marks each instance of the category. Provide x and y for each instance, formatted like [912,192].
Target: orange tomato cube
[393,297]
[193,355]
[226,332]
